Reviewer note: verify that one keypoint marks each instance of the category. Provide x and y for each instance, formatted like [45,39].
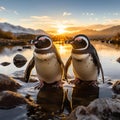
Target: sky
[54,14]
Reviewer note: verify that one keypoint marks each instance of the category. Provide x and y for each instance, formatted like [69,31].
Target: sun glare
[61,29]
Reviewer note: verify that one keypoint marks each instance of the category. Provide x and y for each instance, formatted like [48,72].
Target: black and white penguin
[84,58]
[47,62]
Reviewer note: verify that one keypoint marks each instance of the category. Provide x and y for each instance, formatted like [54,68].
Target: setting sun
[61,29]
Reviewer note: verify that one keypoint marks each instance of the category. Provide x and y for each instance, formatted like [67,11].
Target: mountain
[88,30]
[108,32]
[112,30]
[19,30]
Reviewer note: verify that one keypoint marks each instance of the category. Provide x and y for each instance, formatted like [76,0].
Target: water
[75,96]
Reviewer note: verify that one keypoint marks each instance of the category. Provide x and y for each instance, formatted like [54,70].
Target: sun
[61,29]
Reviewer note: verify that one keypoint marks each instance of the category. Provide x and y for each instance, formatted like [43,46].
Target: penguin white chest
[84,67]
[48,67]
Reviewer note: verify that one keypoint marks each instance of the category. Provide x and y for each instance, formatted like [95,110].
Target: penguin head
[42,42]
[79,42]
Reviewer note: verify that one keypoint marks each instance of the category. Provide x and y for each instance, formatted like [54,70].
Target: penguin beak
[31,42]
[69,41]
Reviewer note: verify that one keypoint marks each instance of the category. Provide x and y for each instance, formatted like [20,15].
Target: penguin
[47,61]
[84,59]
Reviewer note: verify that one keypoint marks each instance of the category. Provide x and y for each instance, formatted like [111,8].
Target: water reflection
[83,94]
[52,102]
[51,99]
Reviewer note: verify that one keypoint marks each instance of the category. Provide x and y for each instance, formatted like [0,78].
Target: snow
[18,29]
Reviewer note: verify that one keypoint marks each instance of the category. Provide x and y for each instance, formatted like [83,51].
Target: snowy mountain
[19,29]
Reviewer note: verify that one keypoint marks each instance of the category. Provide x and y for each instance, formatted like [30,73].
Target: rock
[19,49]
[8,83]
[105,108]
[20,75]
[118,60]
[116,87]
[27,47]
[19,60]
[5,63]
[81,113]
[99,109]
[9,99]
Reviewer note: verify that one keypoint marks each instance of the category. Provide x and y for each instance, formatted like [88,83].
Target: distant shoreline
[11,42]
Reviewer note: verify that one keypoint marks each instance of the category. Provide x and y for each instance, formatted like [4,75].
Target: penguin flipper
[28,69]
[61,63]
[67,65]
[102,72]
[97,62]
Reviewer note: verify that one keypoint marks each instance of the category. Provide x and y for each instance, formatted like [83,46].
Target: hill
[20,30]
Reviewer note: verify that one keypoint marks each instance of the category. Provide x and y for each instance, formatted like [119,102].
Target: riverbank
[10,42]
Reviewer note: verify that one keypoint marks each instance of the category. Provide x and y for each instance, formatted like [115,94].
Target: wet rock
[8,83]
[19,49]
[99,109]
[118,60]
[116,87]
[19,60]
[105,108]
[5,63]
[27,47]
[20,75]
[116,96]
[81,113]
[9,99]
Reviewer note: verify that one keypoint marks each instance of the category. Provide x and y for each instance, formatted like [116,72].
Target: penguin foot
[81,82]
[76,81]
[40,85]
[58,84]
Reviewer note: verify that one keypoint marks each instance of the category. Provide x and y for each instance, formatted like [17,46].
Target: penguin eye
[78,39]
[42,38]
[35,41]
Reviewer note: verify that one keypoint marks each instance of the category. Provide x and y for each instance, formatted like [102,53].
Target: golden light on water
[62,49]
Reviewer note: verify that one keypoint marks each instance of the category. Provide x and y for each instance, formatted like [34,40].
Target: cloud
[8,11]
[2,8]
[113,21]
[15,12]
[40,17]
[88,14]
[116,14]
[67,14]
[46,22]
[3,20]
[38,22]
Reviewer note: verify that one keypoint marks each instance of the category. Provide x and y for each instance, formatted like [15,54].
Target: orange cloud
[3,20]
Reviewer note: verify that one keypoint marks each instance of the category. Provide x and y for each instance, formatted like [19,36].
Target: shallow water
[75,96]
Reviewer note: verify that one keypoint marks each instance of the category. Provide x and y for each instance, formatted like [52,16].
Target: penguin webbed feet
[77,81]
[64,80]
[56,84]
[39,85]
